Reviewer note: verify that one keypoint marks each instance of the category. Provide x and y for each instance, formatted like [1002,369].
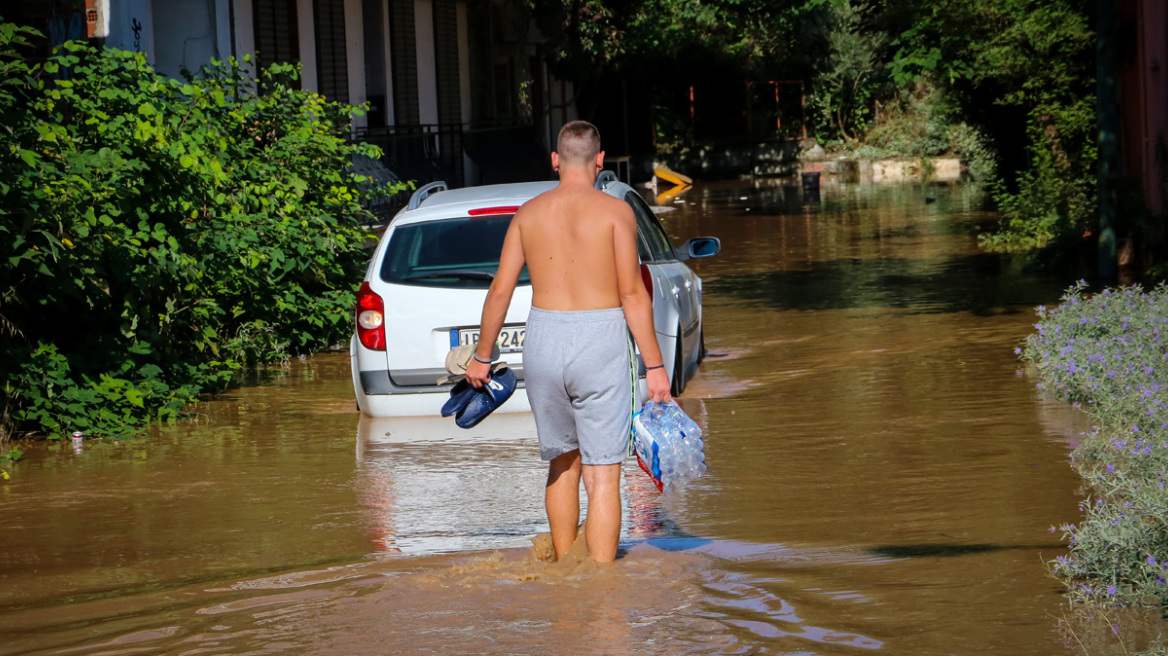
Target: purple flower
[1152,561]
[1111,593]
[1110,468]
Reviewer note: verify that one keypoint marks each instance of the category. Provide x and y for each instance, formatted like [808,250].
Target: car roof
[459,202]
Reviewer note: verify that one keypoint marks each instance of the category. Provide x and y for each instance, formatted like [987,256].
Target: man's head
[578,146]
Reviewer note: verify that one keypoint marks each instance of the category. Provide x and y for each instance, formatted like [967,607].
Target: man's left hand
[657,382]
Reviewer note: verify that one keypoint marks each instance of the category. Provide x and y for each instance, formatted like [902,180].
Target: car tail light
[647,278]
[370,318]
[488,211]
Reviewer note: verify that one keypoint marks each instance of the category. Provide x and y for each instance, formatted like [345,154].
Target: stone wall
[790,158]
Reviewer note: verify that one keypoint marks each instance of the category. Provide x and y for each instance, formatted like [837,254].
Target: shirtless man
[580,247]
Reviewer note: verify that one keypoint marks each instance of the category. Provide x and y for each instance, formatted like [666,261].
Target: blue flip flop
[487,398]
[460,395]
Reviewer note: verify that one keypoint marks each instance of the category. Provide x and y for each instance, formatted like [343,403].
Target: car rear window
[459,253]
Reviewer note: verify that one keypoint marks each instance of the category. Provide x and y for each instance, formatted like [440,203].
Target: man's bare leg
[602,527]
[562,498]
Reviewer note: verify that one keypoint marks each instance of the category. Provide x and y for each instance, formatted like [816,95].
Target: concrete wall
[174,34]
[131,26]
[909,170]
[186,35]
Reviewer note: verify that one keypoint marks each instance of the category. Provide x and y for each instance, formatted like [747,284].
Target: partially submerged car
[424,289]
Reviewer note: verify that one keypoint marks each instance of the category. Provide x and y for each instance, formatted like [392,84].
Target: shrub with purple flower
[1108,355]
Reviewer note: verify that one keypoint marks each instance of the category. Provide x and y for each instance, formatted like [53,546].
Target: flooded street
[881,479]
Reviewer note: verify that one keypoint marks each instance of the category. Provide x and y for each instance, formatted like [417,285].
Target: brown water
[881,479]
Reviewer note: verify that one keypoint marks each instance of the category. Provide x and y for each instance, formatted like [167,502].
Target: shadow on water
[948,550]
[671,536]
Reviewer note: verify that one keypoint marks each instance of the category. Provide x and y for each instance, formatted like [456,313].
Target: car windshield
[461,253]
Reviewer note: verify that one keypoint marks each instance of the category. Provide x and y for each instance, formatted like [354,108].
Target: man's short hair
[579,143]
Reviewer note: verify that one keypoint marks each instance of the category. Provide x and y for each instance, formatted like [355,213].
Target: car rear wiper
[463,274]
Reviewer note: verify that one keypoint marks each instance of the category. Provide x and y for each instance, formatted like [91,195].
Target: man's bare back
[568,237]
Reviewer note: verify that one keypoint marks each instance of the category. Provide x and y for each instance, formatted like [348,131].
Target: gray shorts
[577,367]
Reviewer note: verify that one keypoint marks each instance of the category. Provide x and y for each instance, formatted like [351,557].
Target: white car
[424,289]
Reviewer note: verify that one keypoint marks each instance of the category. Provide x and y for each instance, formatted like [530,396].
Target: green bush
[1055,196]
[158,234]
[1108,354]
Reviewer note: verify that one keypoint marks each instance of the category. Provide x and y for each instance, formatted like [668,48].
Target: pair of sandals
[470,405]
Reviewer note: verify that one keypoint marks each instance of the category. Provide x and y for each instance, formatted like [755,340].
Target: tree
[851,75]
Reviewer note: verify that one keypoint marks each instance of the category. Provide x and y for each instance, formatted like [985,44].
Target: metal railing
[423,153]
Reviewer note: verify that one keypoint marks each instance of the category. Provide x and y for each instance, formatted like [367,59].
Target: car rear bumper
[412,381]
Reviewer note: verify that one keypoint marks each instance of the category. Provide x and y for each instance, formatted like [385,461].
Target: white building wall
[244,27]
[355,57]
[307,44]
[427,71]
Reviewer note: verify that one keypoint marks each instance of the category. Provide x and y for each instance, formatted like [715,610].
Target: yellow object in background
[669,194]
[669,175]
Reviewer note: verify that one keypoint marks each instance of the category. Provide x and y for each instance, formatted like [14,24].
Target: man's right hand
[658,383]
[478,373]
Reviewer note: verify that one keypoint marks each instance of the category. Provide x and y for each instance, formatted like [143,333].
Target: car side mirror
[701,247]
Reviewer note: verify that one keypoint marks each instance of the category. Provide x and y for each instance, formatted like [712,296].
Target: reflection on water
[881,479]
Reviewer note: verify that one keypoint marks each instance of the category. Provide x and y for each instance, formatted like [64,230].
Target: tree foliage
[850,76]
[590,38]
[1012,77]
[1034,57]
[158,234]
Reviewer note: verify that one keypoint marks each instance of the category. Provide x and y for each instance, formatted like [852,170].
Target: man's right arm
[511,261]
[636,303]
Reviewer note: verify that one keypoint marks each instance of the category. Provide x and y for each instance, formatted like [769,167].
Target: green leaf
[135,397]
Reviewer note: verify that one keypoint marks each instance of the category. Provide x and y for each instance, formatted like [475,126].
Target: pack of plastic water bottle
[668,445]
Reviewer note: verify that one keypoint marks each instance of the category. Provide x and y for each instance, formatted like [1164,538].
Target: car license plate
[510,338]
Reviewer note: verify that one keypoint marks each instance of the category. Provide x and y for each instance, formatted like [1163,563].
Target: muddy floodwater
[881,479]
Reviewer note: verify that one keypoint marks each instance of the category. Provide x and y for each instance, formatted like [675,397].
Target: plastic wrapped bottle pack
[668,445]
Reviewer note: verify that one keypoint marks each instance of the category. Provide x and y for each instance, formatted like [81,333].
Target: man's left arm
[511,261]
